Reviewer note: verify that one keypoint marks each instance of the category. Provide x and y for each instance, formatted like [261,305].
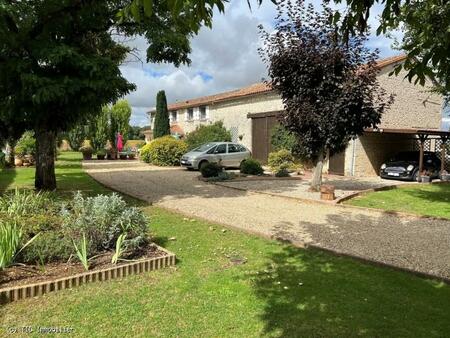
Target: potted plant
[87,151]
[110,152]
[131,155]
[425,177]
[101,154]
[445,176]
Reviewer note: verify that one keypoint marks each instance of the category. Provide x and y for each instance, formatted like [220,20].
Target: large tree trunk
[316,180]
[45,178]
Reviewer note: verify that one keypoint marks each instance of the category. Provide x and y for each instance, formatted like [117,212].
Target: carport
[424,140]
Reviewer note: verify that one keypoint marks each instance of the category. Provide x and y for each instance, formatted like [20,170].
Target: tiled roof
[257,88]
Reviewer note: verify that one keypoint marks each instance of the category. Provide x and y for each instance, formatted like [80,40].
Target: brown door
[337,164]
[261,130]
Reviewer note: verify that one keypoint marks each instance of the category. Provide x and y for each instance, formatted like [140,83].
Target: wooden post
[444,141]
[422,139]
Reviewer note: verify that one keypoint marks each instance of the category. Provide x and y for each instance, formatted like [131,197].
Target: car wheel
[415,176]
[202,165]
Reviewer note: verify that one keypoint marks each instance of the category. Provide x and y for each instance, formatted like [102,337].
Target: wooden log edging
[15,293]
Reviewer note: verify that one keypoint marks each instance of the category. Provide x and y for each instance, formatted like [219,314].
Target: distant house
[251,113]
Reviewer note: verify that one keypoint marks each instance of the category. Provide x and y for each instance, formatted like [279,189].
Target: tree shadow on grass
[307,293]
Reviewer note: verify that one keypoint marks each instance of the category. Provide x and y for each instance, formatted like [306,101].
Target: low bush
[215,132]
[26,145]
[49,246]
[103,219]
[163,151]
[281,160]
[282,173]
[211,170]
[53,225]
[251,167]
[26,203]
[281,138]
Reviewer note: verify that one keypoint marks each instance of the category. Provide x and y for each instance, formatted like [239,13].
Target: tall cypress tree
[162,125]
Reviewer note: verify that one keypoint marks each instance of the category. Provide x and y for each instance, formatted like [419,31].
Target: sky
[223,58]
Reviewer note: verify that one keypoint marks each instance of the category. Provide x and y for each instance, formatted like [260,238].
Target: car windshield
[204,147]
[407,156]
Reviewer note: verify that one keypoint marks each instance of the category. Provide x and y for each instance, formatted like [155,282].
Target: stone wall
[414,106]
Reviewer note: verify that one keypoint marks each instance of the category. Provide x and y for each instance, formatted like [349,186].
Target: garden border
[15,293]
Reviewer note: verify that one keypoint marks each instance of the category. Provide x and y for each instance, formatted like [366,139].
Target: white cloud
[223,58]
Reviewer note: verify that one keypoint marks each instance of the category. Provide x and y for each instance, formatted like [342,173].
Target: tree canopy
[59,61]
[329,87]
[426,40]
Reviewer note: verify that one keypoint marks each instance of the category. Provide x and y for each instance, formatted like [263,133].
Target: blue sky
[223,58]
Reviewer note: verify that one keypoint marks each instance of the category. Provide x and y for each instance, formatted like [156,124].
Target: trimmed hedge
[163,151]
[251,167]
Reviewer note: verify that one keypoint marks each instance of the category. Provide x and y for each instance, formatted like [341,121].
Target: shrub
[215,132]
[281,138]
[26,145]
[164,151]
[87,149]
[211,170]
[49,246]
[103,219]
[282,173]
[281,160]
[26,202]
[251,167]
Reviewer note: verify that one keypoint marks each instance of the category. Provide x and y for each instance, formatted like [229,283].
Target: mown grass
[421,199]
[230,284]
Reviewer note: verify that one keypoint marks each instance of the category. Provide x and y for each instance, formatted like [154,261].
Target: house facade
[250,113]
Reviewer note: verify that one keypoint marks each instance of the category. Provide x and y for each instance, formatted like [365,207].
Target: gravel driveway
[419,244]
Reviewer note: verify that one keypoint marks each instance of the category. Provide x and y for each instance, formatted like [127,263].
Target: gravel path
[419,244]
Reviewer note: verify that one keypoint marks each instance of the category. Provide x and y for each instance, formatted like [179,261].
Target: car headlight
[383,166]
[410,167]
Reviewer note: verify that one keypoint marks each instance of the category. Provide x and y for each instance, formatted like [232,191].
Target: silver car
[227,154]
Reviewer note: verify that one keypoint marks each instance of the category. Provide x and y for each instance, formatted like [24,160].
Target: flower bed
[43,239]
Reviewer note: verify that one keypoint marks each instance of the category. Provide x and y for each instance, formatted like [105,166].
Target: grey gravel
[413,243]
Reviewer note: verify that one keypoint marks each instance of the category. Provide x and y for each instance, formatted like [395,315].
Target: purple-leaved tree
[328,84]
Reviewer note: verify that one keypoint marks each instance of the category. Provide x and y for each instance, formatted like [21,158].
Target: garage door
[262,124]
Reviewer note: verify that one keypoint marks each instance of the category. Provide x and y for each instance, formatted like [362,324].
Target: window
[221,149]
[173,116]
[202,113]
[233,148]
[190,114]
[242,149]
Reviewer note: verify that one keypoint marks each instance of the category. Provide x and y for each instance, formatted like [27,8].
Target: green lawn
[279,291]
[422,199]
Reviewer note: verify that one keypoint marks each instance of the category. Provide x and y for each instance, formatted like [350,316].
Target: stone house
[251,112]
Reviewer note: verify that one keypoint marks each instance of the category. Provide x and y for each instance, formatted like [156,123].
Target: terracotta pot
[100,157]
[18,162]
[123,156]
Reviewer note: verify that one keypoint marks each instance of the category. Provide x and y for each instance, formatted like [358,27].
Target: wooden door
[261,134]
[336,164]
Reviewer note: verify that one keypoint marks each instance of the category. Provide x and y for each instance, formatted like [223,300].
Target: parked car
[226,153]
[405,166]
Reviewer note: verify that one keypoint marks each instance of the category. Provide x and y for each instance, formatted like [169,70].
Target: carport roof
[411,131]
